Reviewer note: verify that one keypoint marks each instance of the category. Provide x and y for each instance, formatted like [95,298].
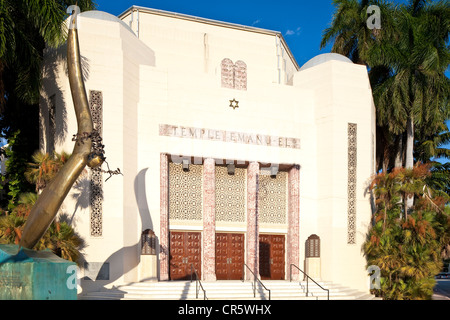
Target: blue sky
[300,22]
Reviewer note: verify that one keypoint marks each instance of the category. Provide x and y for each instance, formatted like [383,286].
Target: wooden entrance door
[271,257]
[229,256]
[185,249]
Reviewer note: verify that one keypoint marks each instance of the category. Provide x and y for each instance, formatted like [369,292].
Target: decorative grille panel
[185,192]
[272,198]
[230,195]
[312,247]
[96,184]
[351,187]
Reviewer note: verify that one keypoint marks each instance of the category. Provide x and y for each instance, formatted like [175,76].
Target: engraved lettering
[228,136]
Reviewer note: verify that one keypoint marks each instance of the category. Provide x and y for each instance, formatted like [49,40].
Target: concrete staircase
[226,290]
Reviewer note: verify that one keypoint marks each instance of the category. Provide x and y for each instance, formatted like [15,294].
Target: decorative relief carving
[272,198]
[351,186]
[96,181]
[227,73]
[234,76]
[185,192]
[240,75]
[230,195]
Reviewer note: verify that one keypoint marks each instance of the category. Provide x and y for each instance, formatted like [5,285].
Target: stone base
[148,268]
[35,275]
[312,268]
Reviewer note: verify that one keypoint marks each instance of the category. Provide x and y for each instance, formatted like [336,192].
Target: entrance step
[226,290]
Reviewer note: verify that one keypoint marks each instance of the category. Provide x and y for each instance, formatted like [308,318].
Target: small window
[312,246]
[148,242]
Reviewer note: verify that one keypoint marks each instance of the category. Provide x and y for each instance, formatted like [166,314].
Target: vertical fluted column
[209,220]
[293,250]
[252,219]
[164,218]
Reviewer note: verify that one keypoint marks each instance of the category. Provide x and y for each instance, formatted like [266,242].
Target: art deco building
[231,153]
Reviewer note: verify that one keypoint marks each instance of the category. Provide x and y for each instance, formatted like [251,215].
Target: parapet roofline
[211,22]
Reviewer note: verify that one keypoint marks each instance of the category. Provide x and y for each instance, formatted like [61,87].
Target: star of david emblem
[234,104]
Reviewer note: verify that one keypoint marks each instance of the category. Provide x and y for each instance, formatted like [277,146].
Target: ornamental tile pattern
[230,194]
[96,181]
[164,218]
[272,198]
[252,219]
[185,192]
[293,244]
[209,220]
[351,186]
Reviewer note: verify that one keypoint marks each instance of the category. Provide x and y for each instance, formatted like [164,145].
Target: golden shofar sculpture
[49,201]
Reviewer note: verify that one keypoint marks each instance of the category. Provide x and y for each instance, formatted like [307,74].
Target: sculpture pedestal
[35,275]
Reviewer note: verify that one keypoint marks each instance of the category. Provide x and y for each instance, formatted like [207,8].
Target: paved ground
[442,289]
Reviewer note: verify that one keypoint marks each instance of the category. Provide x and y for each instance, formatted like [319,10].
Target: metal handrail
[254,280]
[307,277]
[197,283]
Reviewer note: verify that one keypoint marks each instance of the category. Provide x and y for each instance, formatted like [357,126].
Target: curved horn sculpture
[47,205]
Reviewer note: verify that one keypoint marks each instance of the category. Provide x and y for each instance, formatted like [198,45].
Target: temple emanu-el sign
[228,136]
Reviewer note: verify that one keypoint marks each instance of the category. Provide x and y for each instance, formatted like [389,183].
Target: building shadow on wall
[53,106]
[101,274]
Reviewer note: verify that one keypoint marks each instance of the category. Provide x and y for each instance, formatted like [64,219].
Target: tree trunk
[409,158]
[398,162]
[409,143]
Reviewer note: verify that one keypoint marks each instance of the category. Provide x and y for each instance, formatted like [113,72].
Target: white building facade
[231,153]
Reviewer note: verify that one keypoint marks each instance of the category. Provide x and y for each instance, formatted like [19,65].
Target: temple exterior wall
[163,98]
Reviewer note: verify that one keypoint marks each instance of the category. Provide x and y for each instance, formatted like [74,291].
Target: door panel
[277,257]
[221,256]
[272,257]
[185,249]
[229,256]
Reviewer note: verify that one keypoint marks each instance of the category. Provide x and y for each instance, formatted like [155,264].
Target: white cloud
[290,32]
[256,22]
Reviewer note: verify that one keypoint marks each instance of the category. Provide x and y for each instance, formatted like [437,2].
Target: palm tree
[414,96]
[351,37]
[406,58]
[433,145]
[407,251]
[349,30]
[26,28]
[44,168]
[61,238]
[350,33]
[11,227]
